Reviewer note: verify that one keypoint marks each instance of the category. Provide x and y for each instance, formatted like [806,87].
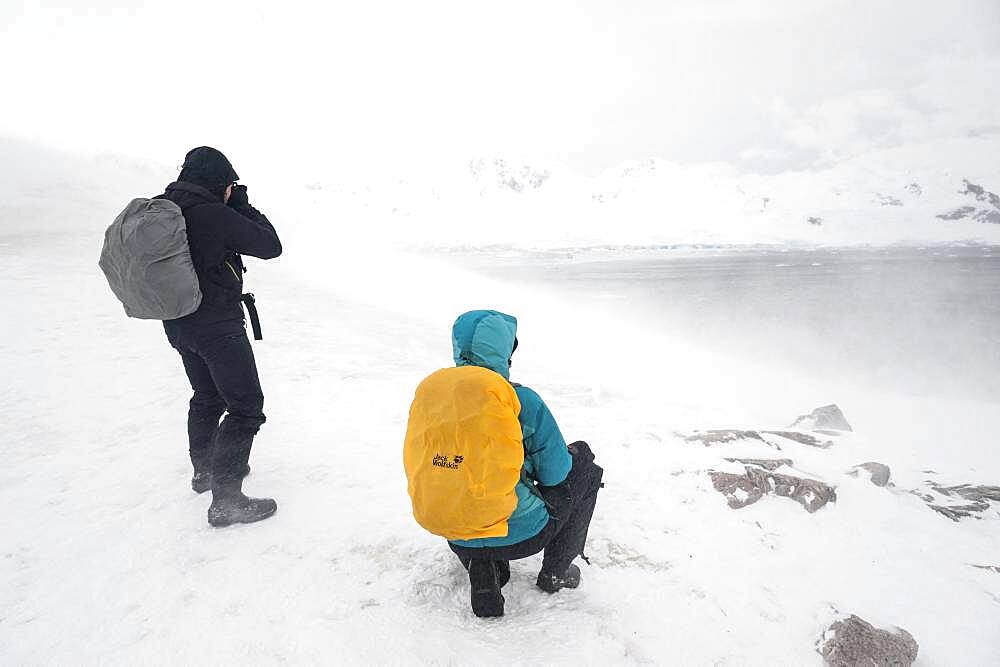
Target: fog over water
[919,321]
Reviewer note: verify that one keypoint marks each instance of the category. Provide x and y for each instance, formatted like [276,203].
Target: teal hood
[484,338]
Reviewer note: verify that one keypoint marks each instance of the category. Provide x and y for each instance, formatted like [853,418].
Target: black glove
[238,198]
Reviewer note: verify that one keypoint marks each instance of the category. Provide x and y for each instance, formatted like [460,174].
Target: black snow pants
[220,364]
[571,507]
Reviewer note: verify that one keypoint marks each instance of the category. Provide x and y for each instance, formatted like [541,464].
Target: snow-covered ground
[106,556]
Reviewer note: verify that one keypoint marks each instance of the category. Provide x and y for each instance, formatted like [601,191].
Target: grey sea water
[915,320]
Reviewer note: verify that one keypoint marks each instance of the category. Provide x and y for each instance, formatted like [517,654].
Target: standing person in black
[212,341]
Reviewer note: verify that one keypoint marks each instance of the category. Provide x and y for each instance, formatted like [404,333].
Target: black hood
[208,168]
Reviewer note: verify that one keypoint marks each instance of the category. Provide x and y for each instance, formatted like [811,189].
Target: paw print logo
[459,459]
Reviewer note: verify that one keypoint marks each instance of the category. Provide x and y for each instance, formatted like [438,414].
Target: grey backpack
[147,261]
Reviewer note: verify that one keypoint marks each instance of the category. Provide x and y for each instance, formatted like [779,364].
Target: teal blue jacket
[485,338]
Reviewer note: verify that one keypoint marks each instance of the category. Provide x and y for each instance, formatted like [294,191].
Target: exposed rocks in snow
[957,512]
[802,438]
[766,464]
[813,220]
[879,472]
[959,213]
[887,200]
[981,194]
[991,568]
[853,641]
[512,177]
[960,502]
[989,213]
[602,197]
[723,436]
[992,217]
[915,189]
[826,417]
[755,483]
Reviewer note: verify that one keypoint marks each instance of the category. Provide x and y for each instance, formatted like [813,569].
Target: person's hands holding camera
[238,197]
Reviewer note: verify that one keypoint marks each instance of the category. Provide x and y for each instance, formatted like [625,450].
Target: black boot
[230,506]
[484,577]
[551,583]
[202,480]
[503,570]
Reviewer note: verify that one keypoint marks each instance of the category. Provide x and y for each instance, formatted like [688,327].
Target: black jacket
[218,234]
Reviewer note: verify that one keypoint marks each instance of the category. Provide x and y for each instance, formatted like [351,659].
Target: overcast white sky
[764,84]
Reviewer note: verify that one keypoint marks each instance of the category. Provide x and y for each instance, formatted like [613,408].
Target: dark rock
[815,221]
[887,200]
[766,464]
[991,568]
[826,417]
[981,194]
[957,512]
[977,493]
[723,436]
[960,213]
[990,213]
[748,488]
[514,177]
[958,502]
[853,641]
[879,472]
[802,438]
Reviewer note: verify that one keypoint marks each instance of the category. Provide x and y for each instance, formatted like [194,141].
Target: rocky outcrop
[828,417]
[981,194]
[986,209]
[802,438]
[879,472]
[991,568]
[724,436]
[756,482]
[766,464]
[852,641]
[960,213]
[508,176]
[962,501]
[887,200]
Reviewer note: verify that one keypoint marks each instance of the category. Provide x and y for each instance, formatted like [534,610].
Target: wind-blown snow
[907,194]
[106,555]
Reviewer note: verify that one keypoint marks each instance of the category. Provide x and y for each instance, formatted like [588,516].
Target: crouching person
[489,470]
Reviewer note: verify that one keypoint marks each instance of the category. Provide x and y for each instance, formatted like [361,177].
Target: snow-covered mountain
[942,192]
[925,193]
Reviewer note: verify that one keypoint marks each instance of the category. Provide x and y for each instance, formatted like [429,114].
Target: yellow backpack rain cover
[463,453]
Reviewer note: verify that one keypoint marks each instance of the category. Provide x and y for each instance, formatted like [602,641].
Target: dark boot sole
[222,522]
